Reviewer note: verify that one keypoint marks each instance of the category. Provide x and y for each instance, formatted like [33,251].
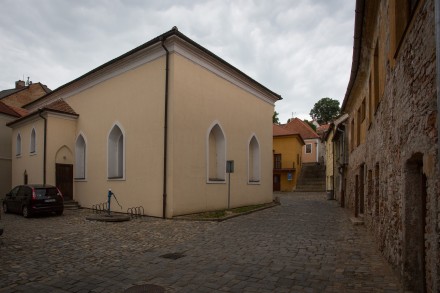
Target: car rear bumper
[46,209]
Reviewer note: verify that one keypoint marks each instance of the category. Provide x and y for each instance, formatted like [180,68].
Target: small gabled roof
[279,130]
[7,110]
[58,106]
[299,126]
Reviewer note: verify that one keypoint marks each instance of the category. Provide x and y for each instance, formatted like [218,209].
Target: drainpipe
[165,133]
[437,46]
[40,111]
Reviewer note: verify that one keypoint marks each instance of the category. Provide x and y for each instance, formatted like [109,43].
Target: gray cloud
[300,49]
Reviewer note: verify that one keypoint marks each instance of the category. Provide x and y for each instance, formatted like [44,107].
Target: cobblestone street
[307,244]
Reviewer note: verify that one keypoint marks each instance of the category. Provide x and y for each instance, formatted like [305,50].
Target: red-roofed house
[7,114]
[287,148]
[311,149]
[11,101]
[157,125]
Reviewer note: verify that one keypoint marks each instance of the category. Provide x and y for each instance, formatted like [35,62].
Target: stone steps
[311,178]
[71,205]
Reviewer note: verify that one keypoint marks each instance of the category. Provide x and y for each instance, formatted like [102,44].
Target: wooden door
[276,182]
[64,180]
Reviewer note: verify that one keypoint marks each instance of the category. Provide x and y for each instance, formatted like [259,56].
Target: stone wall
[400,148]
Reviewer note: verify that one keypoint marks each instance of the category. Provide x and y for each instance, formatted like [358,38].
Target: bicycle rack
[136,212]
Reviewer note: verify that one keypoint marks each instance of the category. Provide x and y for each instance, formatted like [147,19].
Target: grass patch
[222,214]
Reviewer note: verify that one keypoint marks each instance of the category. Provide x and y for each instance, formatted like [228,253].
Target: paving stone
[307,244]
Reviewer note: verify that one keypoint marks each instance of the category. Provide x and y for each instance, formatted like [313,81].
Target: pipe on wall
[165,135]
[40,111]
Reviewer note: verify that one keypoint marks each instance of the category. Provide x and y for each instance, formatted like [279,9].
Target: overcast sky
[300,49]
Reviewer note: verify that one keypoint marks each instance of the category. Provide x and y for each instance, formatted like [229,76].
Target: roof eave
[357,46]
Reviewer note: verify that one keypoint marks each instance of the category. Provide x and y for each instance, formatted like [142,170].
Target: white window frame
[221,155]
[18,145]
[311,148]
[254,159]
[120,159]
[33,142]
[78,164]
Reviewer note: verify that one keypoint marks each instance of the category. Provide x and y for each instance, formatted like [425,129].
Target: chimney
[19,84]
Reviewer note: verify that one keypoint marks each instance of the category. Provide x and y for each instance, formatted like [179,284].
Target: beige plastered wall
[134,101]
[31,163]
[199,100]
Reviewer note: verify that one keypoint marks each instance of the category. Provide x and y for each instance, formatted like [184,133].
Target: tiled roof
[4,109]
[6,93]
[323,128]
[280,131]
[59,106]
[299,126]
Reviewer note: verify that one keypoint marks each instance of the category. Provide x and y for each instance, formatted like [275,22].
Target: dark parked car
[34,199]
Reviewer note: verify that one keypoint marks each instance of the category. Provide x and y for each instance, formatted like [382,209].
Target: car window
[15,191]
[46,192]
[21,191]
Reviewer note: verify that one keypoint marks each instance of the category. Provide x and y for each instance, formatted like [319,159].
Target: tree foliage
[313,126]
[275,118]
[325,110]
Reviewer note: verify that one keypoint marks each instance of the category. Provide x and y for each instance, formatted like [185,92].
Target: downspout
[437,50]
[40,111]
[165,133]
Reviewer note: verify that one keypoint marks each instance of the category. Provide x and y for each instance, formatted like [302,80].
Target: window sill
[80,179]
[216,181]
[115,179]
[254,182]
[33,154]
[18,156]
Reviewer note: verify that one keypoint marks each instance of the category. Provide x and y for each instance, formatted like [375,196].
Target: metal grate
[147,288]
[175,255]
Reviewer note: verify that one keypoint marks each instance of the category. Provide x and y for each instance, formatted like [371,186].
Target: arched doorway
[414,269]
[64,172]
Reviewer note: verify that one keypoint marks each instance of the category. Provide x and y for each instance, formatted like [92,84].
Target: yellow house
[287,148]
[157,125]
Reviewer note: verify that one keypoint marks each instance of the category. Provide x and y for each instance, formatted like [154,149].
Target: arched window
[216,155]
[254,160]
[33,141]
[116,153]
[18,145]
[80,157]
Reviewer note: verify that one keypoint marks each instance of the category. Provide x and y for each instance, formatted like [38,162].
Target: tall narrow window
[254,160]
[80,158]
[33,141]
[277,161]
[216,154]
[18,145]
[116,153]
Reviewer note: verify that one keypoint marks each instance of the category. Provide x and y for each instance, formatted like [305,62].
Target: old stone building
[392,177]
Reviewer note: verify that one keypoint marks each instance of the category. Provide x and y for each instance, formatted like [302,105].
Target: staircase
[71,205]
[311,178]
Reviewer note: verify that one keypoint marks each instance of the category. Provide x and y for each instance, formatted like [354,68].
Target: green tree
[325,110]
[275,118]
[313,126]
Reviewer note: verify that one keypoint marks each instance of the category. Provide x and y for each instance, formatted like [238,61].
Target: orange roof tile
[5,109]
[299,126]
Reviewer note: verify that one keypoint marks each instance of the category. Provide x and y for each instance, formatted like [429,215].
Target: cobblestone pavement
[307,244]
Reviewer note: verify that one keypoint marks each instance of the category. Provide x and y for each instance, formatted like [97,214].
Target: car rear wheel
[25,212]
[5,208]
